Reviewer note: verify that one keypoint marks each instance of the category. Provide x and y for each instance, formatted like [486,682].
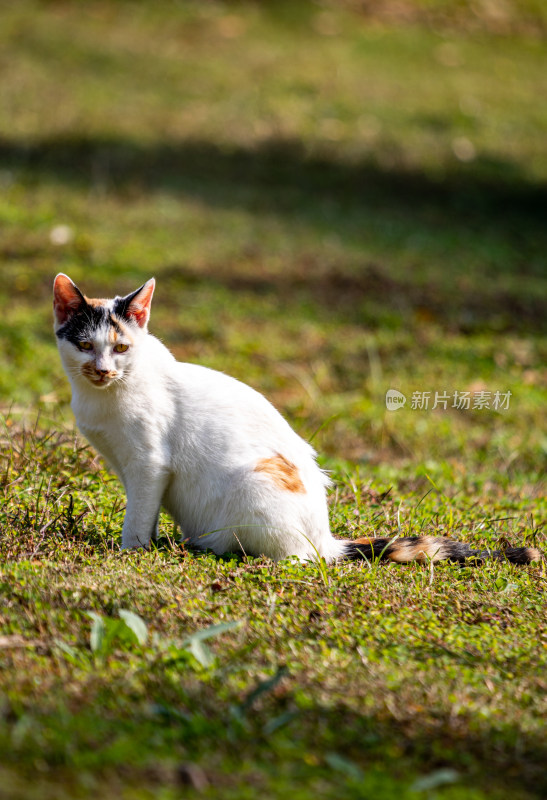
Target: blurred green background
[337,198]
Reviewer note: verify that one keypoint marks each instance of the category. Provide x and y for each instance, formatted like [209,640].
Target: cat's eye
[85,345]
[121,348]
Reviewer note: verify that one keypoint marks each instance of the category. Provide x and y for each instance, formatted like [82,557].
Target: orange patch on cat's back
[282,472]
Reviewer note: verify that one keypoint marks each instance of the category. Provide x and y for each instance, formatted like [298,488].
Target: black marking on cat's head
[78,317]
[84,323]
[134,308]
[122,304]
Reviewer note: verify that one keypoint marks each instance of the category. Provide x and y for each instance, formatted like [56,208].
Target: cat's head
[97,338]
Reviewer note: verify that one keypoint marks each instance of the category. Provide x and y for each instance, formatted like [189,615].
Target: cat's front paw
[135,543]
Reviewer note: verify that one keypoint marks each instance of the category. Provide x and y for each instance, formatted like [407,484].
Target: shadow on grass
[488,207]
[282,173]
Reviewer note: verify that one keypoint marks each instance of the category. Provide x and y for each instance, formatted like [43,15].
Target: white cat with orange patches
[210,450]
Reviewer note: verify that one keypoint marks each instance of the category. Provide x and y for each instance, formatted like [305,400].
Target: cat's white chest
[108,438]
[124,429]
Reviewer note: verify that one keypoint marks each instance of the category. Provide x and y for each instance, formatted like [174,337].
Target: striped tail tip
[431,548]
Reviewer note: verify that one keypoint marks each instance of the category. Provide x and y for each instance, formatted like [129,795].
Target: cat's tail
[432,549]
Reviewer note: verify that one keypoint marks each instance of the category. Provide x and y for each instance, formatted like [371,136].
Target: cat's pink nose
[102,372]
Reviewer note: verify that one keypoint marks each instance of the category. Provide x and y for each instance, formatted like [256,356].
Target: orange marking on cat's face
[95,302]
[89,371]
[125,329]
[282,472]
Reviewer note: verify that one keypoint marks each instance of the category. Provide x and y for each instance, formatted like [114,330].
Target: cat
[209,449]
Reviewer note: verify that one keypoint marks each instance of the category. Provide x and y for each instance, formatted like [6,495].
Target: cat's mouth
[101,381]
[99,378]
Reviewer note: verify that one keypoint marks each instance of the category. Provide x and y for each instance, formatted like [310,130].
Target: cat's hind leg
[274,511]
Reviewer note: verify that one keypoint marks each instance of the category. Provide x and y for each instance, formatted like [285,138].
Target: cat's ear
[67,298]
[136,306]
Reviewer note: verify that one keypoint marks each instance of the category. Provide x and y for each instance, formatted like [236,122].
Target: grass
[334,203]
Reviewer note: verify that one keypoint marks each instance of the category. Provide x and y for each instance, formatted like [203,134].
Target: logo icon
[394,400]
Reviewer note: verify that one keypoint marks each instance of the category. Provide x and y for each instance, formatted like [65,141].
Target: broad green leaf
[441,777]
[135,624]
[201,653]
[344,765]
[194,643]
[98,630]
[212,631]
